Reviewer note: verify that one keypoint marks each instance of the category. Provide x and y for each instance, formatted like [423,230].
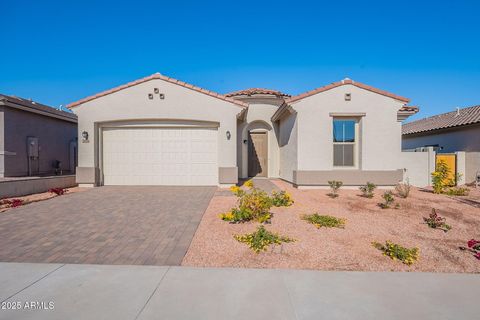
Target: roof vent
[347,79]
[458,112]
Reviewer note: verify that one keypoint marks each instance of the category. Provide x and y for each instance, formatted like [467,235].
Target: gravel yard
[349,248]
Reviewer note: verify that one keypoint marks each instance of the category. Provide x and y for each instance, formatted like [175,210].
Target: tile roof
[460,117]
[413,109]
[161,77]
[345,82]
[32,106]
[252,91]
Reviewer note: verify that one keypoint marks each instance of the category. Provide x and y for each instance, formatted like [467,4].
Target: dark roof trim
[38,108]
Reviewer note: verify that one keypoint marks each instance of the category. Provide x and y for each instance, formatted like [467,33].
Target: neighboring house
[449,132]
[161,131]
[458,130]
[34,138]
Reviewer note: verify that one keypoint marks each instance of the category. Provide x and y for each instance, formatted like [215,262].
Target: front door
[257,154]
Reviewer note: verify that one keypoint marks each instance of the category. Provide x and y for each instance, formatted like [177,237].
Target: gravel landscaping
[36,197]
[348,248]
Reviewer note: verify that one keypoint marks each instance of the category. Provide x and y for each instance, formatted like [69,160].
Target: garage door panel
[160,156]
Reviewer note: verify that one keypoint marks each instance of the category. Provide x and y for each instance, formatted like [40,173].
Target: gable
[343,83]
[153,77]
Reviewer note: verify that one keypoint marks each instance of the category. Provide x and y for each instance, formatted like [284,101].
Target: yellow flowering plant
[281,199]
[261,239]
[395,251]
[254,204]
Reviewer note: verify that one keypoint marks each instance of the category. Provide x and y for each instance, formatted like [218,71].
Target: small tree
[367,190]
[440,177]
[334,186]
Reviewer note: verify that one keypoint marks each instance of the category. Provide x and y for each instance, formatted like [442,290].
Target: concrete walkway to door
[107,225]
[150,292]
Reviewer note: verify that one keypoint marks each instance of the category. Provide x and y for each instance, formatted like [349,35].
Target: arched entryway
[256,146]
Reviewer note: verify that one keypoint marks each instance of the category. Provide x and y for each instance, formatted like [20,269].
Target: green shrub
[436,222]
[388,200]
[261,239]
[334,186]
[396,251]
[367,190]
[281,199]
[324,221]
[403,189]
[457,191]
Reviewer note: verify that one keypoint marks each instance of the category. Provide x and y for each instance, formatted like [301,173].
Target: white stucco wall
[180,103]
[380,132]
[418,167]
[288,141]
[452,140]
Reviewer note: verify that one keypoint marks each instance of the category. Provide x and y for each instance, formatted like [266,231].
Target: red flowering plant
[12,203]
[58,191]
[474,246]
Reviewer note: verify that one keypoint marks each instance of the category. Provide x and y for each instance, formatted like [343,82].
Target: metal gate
[450,159]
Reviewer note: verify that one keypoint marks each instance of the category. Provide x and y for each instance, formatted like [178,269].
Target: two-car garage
[160,156]
[158,131]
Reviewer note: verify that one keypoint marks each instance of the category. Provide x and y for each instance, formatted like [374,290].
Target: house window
[344,142]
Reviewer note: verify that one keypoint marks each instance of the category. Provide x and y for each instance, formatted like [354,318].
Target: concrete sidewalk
[148,292]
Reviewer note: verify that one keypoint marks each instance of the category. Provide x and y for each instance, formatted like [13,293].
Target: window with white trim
[344,142]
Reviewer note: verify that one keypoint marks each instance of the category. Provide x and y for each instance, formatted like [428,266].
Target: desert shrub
[334,186]
[253,204]
[11,203]
[281,199]
[58,191]
[474,246]
[436,222]
[367,190]
[440,178]
[396,251]
[403,189]
[324,221]
[261,239]
[457,191]
[388,200]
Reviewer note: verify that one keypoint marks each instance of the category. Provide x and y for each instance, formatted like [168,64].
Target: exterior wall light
[229,135]
[84,136]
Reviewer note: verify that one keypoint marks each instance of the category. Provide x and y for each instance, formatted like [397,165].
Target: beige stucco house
[161,131]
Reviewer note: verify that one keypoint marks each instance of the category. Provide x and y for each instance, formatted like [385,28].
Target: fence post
[461,167]
[431,164]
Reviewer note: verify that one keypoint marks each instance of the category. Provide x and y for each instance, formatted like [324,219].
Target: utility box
[32,147]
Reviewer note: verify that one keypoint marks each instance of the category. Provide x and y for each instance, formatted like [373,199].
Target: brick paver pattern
[108,225]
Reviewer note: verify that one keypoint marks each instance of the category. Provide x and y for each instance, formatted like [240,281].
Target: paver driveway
[108,225]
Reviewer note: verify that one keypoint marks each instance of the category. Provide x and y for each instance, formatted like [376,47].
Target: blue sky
[56,52]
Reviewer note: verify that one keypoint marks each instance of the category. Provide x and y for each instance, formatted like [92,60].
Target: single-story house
[162,131]
[35,139]
[458,130]
[449,132]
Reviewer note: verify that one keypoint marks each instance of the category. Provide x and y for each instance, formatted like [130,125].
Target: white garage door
[160,156]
